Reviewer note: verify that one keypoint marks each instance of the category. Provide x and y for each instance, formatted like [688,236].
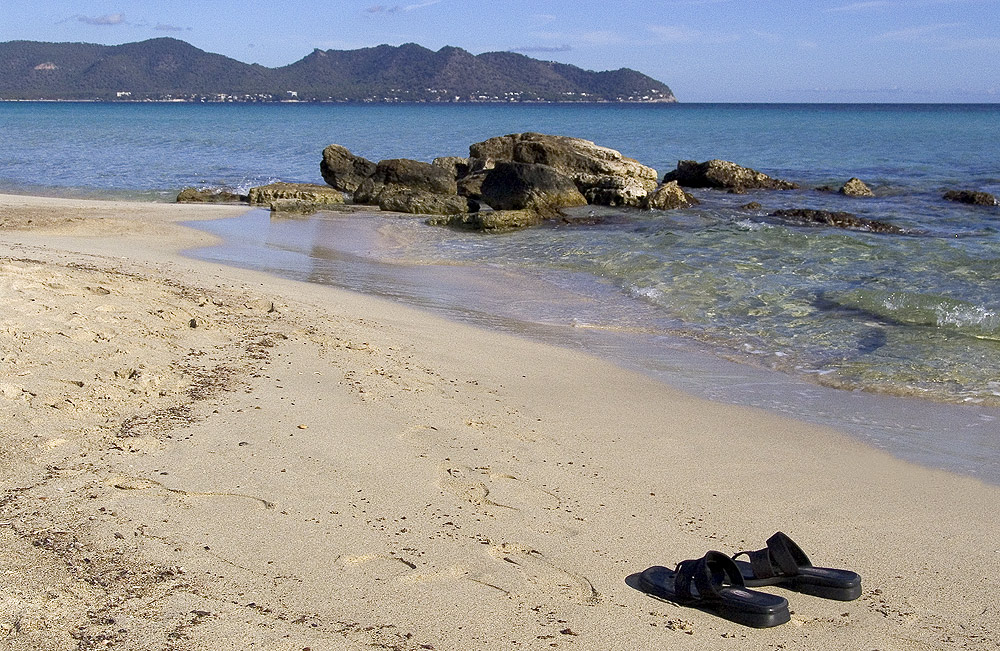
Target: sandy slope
[197,457]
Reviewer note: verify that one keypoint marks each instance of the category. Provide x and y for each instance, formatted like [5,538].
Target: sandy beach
[200,457]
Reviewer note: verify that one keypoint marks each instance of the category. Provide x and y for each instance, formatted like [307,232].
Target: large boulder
[971,197]
[724,175]
[343,170]
[855,187]
[809,217]
[668,197]
[520,186]
[398,174]
[601,174]
[265,195]
[418,202]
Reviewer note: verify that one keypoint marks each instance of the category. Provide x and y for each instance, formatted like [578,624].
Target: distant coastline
[167,69]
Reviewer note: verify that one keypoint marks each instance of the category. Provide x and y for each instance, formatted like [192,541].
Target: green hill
[166,68]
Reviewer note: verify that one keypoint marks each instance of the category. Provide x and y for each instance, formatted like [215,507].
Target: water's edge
[956,438]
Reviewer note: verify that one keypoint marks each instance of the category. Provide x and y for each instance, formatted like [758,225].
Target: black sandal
[713,583]
[784,564]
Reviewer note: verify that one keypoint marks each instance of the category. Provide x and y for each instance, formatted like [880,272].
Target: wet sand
[201,457]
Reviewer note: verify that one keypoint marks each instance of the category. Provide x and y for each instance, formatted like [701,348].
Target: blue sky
[705,50]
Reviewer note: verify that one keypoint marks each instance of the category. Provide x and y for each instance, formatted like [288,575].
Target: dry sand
[199,457]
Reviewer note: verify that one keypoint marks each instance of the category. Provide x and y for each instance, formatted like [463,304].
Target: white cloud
[420,5]
[395,9]
[860,6]
[107,19]
[528,49]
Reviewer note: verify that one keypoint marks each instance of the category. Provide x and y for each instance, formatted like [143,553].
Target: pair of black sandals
[720,584]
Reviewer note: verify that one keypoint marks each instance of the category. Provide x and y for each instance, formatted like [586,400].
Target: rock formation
[971,197]
[855,187]
[215,195]
[490,220]
[522,186]
[418,202]
[721,174]
[601,174]
[399,174]
[809,217]
[265,195]
[669,196]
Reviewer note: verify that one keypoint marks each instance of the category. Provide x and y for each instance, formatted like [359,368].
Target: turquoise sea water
[913,315]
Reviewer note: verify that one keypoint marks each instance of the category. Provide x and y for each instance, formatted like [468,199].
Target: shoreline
[369,254]
[304,466]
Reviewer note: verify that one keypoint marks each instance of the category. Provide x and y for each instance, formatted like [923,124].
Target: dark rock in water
[456,165]
[490,220]
[724,175]
[399,174]
[520,186]
[425,203]
[753,205]
[196,195]
[668,197]
[601,174]
[343,170]
[825,188]
[809,217]
[971,197]
[265,195]
[855,187]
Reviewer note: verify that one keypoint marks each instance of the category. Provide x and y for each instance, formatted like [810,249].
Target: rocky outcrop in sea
[522,179]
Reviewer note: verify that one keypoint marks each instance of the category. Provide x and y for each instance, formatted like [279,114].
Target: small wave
[750,225]
[908,308]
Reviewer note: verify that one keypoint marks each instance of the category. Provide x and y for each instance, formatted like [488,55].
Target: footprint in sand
[485,487]
[465,484]
[542,576]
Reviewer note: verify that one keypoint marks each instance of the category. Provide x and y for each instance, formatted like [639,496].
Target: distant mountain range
[169,69]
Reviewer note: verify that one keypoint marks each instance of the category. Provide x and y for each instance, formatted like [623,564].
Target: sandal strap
[706,574]
[785,554]
[781,557]
[760,561]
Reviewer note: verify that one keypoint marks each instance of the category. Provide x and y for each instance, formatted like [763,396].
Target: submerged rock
[214,195]
[294,207]
[491,220]
[425,203]
[343,170]
[753,205]
[971,197]
[265,195]
[604,176]
[810,217]
[521,186]
[724,175]
[855,187]
[668,197]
